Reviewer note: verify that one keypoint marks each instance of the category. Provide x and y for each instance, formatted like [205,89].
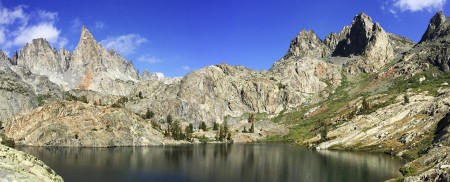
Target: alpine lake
[217,163]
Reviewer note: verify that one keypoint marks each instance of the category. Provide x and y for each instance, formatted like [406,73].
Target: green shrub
[69,97]
[149,114]
[408,171]
[83,98]
[116,105]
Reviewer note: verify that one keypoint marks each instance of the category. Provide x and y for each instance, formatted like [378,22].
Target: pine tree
[229,136]
[252,128]
[215,126]
[176,130]
[203,126]
[225,127]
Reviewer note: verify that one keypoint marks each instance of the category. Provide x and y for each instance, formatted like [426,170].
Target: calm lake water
[216,162]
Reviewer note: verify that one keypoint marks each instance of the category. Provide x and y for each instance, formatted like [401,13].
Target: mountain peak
[362,18]
[85,34]
[357,39]
[87,42]
[437,27]
[307,44]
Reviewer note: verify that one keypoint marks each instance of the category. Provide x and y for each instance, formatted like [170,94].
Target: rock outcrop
[332,40]
[307,45]
[76,124]
[365,39]
[434,47]
[19,166]
[437,28]
[40,58]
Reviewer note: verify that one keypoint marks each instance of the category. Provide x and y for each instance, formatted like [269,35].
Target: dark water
[216,162]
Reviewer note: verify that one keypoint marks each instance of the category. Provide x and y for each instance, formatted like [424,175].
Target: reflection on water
[216,162]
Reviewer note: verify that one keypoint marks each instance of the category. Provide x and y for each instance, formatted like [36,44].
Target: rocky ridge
[76,124]
[113,74]
[19,166]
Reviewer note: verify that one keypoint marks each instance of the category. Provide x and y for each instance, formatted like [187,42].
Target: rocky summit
[361,88]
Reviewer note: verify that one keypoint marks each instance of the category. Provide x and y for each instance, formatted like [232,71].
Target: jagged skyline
[177,37]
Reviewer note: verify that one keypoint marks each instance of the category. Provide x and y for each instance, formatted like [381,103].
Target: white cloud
[148,59]
[75,25]
[412,5]
[43,30]
[100,25]
[18,27]
[186,68]
[124,44]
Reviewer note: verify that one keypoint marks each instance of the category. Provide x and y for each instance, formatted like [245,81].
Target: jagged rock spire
[39,57]
[87,41]
[85,34]
[437,27]
[307,44]
[358,38]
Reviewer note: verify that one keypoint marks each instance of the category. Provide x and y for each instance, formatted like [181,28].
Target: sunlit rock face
[19,166]
[76,124]
[89,67]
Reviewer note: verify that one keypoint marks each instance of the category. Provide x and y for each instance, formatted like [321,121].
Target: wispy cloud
[393,6]
[186,68]
[47,16]
[99,25]
[75,25]
[148,59]
[10,16]
[17,27]
[124,44]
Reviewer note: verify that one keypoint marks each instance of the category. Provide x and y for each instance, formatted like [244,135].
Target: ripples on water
[216,162]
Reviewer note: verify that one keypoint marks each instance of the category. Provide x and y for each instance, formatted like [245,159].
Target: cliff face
[15,94]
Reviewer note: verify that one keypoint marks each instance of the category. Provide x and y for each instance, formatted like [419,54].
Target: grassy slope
[340,106]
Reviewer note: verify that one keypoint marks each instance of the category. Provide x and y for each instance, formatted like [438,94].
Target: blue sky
[178,36]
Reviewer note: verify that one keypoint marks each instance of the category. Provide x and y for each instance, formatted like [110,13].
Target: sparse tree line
[174,129]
